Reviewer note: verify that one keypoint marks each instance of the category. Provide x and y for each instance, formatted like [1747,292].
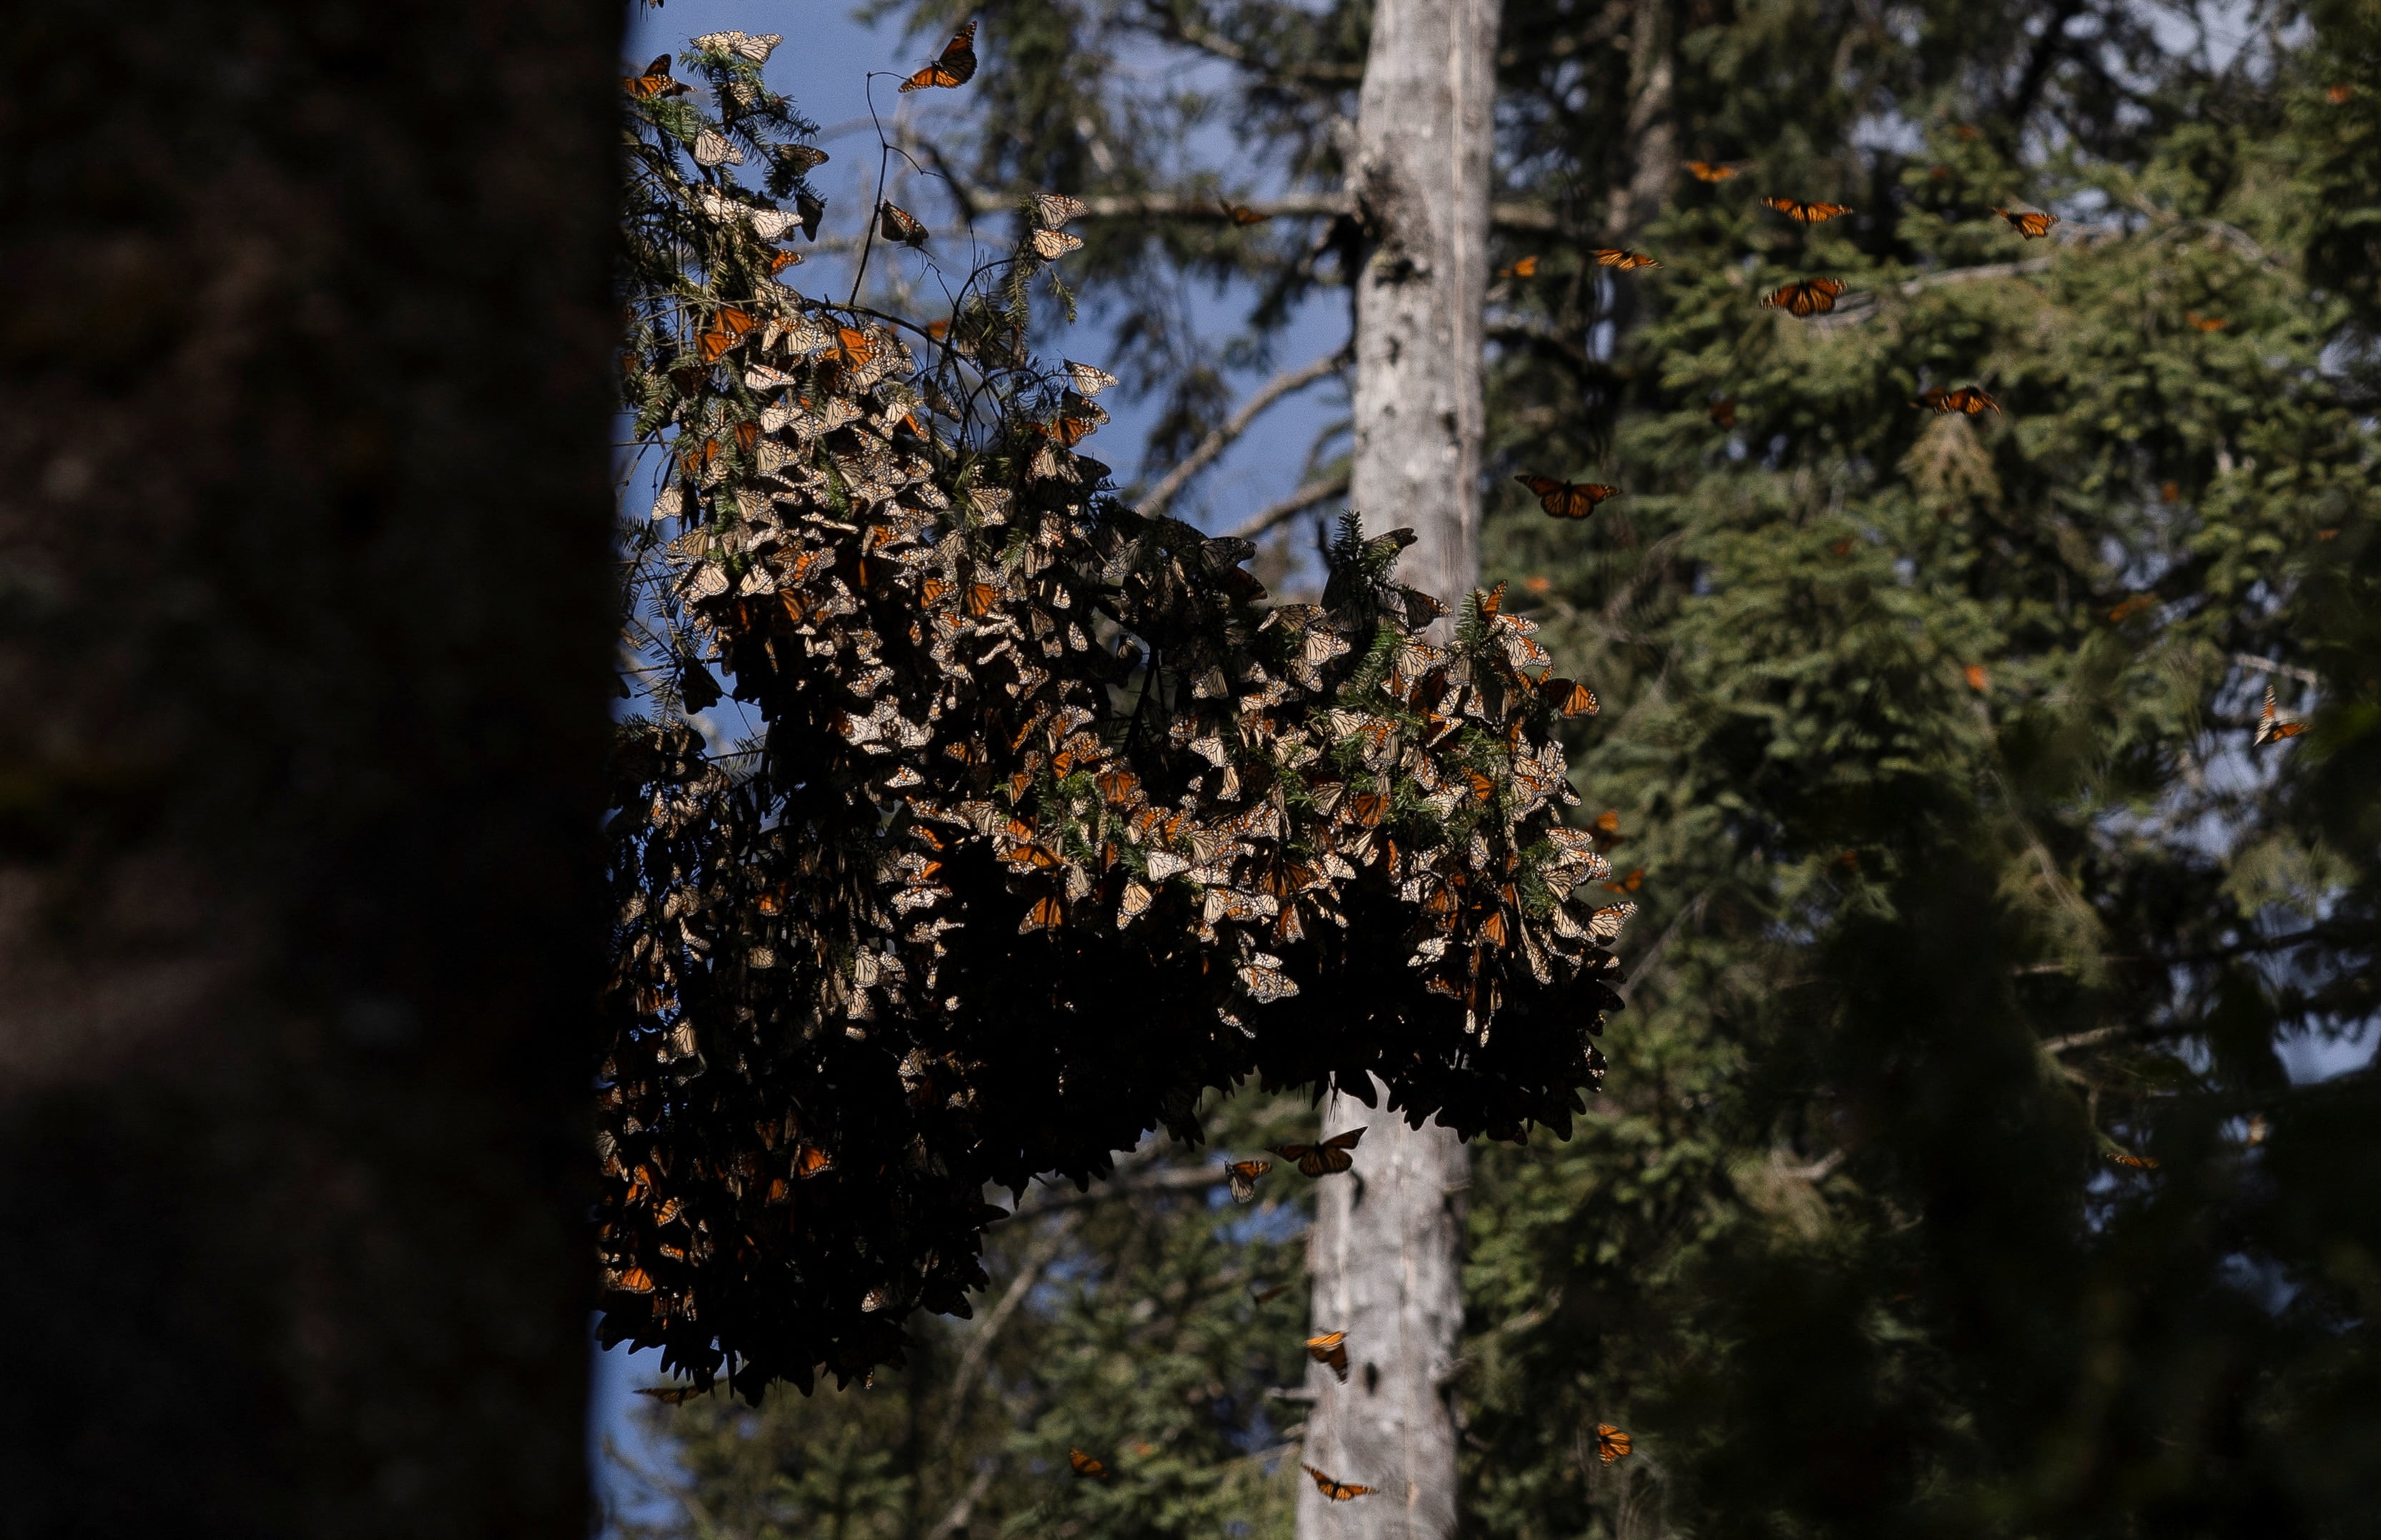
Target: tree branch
[1292,505]
[2250,660]
[1217,442]
[1864,305]
[1191,34]
[979,1348]
[1207,209]
[958,1512]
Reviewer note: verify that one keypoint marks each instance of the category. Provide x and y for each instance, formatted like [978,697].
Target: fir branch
[1221,438]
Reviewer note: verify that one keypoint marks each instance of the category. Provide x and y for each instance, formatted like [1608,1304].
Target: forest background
[1981,1150]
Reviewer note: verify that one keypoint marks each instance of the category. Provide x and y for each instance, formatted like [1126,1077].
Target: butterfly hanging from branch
[1334,1154]
[955,66]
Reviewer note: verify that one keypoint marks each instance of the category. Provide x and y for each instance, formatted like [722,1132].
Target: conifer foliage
[1052,822]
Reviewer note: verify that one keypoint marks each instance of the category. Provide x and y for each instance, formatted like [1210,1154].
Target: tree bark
[1387,1248]
[304,524]
[1423,138]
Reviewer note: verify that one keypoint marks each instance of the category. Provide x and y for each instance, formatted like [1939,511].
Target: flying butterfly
[1050,245]
[671,1395]
[1723,410]
[1567,499]
[2272,728]
[1261,1292]
[1243,1175]
[2028,223]
[2205,323]
[898,225]
[1085,1465]
[1330,1350]
[2336,94]
[1966,398]
[2139,1163]
[1806,296]
[1324,1159]
[1332,1487]
[1568,696]
[954,69]
[1611,1444]
[1708,171]
[1241,214]
[1622,258]
[1526,267]
[1629,884]
[1805,213]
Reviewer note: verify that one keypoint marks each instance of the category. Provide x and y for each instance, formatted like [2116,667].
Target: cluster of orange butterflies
[1328,1348]
[1802,298]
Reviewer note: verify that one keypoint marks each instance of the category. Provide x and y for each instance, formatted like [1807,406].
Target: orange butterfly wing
[1332,1487]
[1804,211]
[1086,1465]
[1705,171]
[1241,214]
[1611,1444]
[954,69]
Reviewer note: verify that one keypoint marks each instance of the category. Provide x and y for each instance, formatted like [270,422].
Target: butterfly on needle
[1803,211]
[954,68]
[1333,1488]
[1330,1350]
[1319,1160]
[2272,728]
[2027,222]
[1567,499]
[1243,1175]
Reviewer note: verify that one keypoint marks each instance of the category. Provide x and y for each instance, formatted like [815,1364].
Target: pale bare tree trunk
[1387,1248]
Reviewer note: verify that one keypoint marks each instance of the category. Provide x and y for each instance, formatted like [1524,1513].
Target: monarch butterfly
[801,158]
[1808,297]
[1077,421]
[1367,808]
[1723,411]
[1243,1175]
[2336,94]
[857,348]
[1622,258]
[1629,884]
[808,211]
[1330,1350]
[671,1395]
[654,80]
[1978,679]
[1608,824]
[1050,245]
[1088,380]
[1966,398]
[634,1281]
[1337,1490]
[954,68]
[1241,214]
[743,45]
[810,1161]
[1567,499]
[1266,1293]
[1611,1444]
[2272,728]
[1492,930]
[1084,1465]
[1047,914]
[2205,323]
[712,148]
[1706,171]
[1568,696]
[2127,608]
[2028,223]
[1526,267]
[1324,1159]
[780,261]
[1604,924]
[2139,1163]
[1054,209]
[897,224]
[1804,212]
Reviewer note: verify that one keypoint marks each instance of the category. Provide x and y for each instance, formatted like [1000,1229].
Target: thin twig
[958,1512]
[1221,438]
[1292,505]
[2250,660]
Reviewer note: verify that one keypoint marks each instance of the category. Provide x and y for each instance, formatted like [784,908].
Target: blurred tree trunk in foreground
[302,666]
[1388,1264]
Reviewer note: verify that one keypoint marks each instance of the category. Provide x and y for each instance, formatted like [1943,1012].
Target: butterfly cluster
[1049,821]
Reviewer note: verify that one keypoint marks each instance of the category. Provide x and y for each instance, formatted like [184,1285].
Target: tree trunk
[303,666]
[1387,1248]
